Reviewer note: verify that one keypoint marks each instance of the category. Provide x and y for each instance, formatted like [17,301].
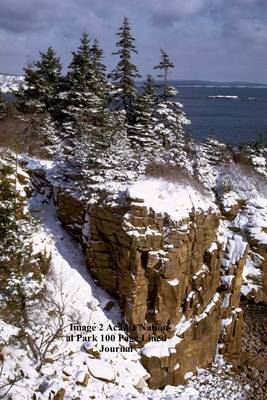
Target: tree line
[87,93]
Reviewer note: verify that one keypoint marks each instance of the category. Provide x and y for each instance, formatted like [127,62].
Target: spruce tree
[99,84]
[164,65]
[80,68]
[149,88]
[42,79]
[48,69]
[126,72]
[142,132]
[145,103]
[98,68]
[87,90]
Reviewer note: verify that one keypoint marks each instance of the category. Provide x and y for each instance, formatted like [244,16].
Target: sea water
[230,114]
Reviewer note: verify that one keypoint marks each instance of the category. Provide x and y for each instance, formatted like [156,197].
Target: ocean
[239,118]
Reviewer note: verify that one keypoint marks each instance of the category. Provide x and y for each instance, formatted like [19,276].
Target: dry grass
[174,174]
[241,158]
[19,134]
[243,179]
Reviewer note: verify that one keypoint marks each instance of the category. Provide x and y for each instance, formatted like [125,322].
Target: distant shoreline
[184,82]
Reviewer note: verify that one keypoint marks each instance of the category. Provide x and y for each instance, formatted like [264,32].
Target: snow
[173,282]
[80,376]
[160,349]
[34,163]
[171,198]
[101,369]
[89,300]
[227,280]
[250,269]
[253,219]
[6,332]
[166,348]
[10,83]
[212,247]
[252,275]
[235,249]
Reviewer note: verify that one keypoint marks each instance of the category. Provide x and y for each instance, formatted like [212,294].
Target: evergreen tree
[86,91]
[80,68]
[20,270]
[145,104]
[98,68]
[165,65]
[2,106]
[29,96]
[150,88]
[99,80]
[48,70]
[142,132]
[126,72]
[42,79]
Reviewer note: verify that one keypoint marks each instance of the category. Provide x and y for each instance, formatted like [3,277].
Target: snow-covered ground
[10,83]
[82,371]
[170,197]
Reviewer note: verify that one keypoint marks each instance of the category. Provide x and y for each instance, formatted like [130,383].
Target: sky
[217,40]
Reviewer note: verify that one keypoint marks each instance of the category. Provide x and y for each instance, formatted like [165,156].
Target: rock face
[158,268]
[253,222]
[178,282]
[178,286]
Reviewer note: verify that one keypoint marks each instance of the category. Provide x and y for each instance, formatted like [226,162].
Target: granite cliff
[164,252]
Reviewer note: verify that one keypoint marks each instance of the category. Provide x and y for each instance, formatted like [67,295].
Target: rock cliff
[176,274]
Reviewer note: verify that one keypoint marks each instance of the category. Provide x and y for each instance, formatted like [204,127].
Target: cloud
[167,13]
[207,39]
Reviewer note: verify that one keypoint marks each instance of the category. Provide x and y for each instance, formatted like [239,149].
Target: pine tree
[165,65]
[126,72]
[42,79]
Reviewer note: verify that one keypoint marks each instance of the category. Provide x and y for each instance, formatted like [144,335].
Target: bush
[175,174]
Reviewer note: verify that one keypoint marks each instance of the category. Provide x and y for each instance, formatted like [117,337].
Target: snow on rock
[166,348]
[6,332]
[160,349]
[35,163]
[101,370]
[171,198]
[234,251]
[253,219]
[81,377]
[252,275]
[123,372]
[214,383]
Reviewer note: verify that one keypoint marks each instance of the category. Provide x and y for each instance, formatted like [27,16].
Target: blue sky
[223,40]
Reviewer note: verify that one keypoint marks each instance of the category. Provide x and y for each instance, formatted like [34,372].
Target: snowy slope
[10,83]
